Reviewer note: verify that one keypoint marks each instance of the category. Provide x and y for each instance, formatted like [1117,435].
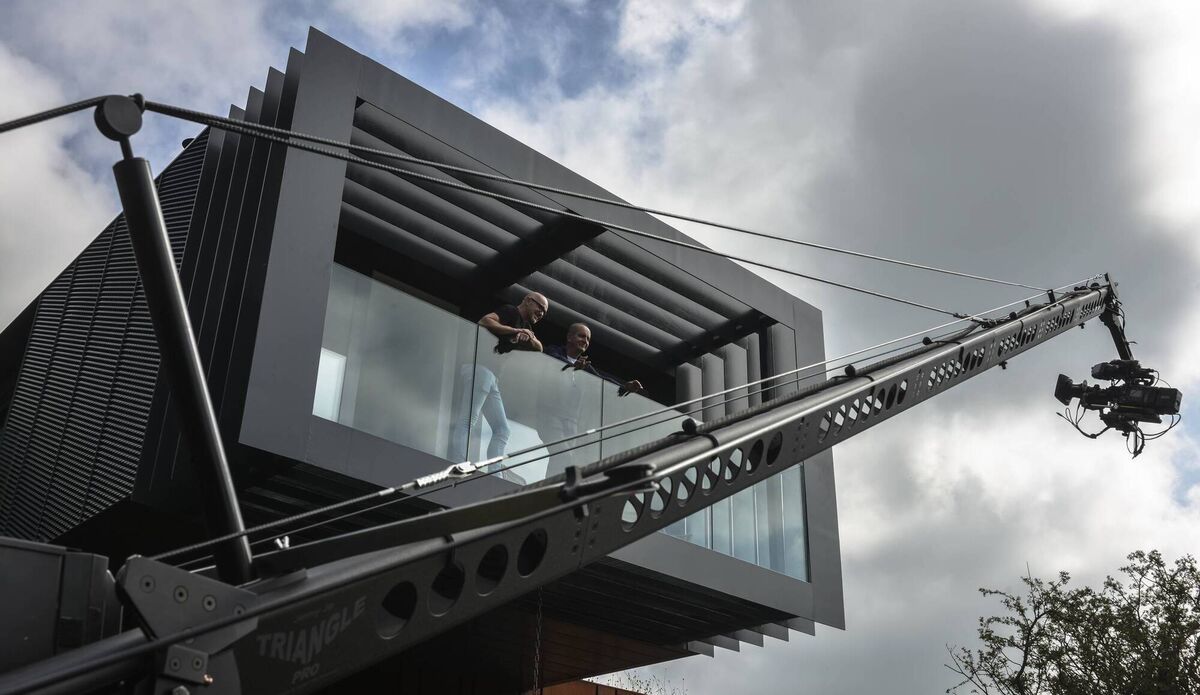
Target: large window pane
[389,362]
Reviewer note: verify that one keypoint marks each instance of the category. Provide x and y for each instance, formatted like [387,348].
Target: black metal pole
[179,357]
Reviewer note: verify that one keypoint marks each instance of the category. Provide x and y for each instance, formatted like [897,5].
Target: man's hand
[525,339]
[581,362]
[631,386]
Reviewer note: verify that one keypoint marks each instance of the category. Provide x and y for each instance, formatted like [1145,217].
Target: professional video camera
[1133,397]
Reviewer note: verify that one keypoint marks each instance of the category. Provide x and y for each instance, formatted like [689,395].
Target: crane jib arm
[312,626]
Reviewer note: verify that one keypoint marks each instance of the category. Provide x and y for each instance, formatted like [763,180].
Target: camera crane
[324,610]
[316,613]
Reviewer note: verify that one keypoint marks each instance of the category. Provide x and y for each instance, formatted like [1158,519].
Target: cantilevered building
[335,305]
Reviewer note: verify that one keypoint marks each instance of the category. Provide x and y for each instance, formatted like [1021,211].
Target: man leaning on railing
[557,423]
[479,390]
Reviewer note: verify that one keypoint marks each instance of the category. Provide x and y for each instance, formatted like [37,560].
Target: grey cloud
[978,136]
[987,139]
[981,137]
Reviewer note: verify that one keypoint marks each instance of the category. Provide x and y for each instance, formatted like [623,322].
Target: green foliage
[1142,636]
[649,684]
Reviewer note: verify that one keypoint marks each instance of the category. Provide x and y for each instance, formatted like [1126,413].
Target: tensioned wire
[673,415]
[411,485]
[245,129]
[763,380]
[248,128]
[215,121]
[31,119]
[283,137]
[200,563]
[203,561]
[305,593]
[672,411]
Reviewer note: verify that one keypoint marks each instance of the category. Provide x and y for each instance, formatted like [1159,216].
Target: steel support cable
[518,464]
[667,409]
[452,544]
[831,360]
[423,491]
[244,129]
[267,606]
[196,564]
[215,121]
[200,563]
[162,642]
[31,119]
[283,138]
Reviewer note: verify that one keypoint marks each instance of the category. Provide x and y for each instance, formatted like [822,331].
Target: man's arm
[624,387]
[522,338]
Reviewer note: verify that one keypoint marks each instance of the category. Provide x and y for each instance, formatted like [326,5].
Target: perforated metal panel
[76,426]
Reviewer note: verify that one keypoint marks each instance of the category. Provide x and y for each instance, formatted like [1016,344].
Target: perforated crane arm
[334,618]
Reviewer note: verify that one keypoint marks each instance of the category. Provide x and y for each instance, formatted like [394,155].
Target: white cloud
[972,136]
[985,139]
[56,52]
[650,29]
[1162,36]
[384,20]
[50,208]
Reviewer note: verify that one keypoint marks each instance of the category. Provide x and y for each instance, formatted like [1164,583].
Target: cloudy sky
[1039,141]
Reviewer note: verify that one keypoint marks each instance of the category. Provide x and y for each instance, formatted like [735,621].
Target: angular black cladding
[255,230]
[222,277]
[73,439]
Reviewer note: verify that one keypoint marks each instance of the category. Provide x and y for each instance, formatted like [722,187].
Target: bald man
[513,325]
[479,390]
[561,416]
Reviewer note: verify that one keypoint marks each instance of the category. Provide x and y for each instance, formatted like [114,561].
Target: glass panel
[768,505]
[620,408]
[745,544]
[722,541]
[696,529]
[524,400]
[677,529]
[331,376]
[390,361]
[795,533]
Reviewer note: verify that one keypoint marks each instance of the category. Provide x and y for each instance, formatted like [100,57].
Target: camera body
[1134,399]
[1122,370]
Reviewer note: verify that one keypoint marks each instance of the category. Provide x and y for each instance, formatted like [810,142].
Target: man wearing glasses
[479,390]
[513,325]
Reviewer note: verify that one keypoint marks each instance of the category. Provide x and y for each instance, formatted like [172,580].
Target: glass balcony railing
[400,368]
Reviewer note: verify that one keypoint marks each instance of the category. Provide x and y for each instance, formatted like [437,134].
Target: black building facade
[334,306]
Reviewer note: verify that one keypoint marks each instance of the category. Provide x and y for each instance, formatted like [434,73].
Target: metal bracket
[187,664]
[166,599]
[576,487]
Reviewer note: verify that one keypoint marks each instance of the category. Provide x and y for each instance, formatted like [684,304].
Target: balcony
[402,369]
